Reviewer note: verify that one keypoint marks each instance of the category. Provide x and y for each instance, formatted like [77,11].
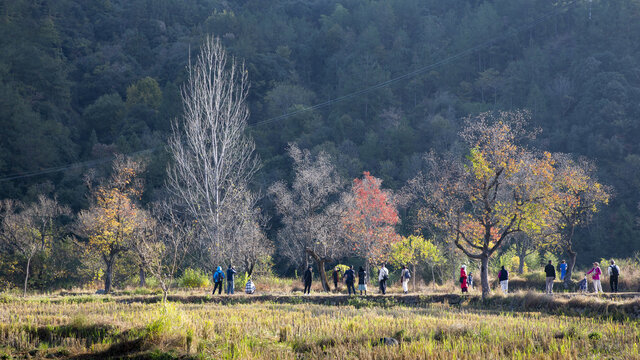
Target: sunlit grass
[263,330]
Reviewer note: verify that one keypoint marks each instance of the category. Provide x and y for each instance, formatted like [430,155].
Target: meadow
[199,326]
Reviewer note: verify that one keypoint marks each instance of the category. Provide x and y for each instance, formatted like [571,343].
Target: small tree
[162,243]
[311,211]
[370,220]
[413,250]
[577,197]
[30,229]
[110,223]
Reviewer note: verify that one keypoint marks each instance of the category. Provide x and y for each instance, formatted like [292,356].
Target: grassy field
[129,326]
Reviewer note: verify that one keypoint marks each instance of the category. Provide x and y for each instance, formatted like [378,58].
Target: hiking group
[466,279]
[613,271]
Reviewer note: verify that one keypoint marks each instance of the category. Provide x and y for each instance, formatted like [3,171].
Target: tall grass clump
[194,279]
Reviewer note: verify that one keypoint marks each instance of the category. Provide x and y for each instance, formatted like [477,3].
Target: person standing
[336,277]
[308,276]
[595,270]
[550,271]
[503,276]
[383,276]
[469,281]
[405,275]
[563,269]
[463,279]
[614,272]
[231,277]
[362,281]
[218,276]
[350,279]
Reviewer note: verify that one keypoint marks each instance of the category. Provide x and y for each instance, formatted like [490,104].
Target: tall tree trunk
[572,263]
[323,275]
[26,275]
[484,276]
[143,277]
[413,269]
[108,275]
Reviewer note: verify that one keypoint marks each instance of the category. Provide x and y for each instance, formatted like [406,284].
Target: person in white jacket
[383,276]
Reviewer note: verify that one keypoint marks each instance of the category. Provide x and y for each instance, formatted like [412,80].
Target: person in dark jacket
[550,271]
[308,276]
[503,276]
[218,276]
[231,277]
[350,279]
[362,281]
[336,277]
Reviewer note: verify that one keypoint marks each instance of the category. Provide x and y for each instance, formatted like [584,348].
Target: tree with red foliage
[370,220]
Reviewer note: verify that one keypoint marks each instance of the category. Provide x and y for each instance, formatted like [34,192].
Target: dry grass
[111,326]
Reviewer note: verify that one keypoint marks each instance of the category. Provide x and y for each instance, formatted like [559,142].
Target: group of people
[219,276]
[349,278]
[466,279]
[613,271]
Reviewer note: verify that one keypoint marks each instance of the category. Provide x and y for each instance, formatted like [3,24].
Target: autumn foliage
[371,219]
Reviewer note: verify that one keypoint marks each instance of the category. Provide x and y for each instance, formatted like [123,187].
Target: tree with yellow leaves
[499,189]
[413,250]
[113,218]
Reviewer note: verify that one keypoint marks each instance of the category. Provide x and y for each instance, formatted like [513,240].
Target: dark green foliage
[81,80]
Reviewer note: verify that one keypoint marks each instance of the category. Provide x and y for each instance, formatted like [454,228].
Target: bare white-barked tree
[213,156]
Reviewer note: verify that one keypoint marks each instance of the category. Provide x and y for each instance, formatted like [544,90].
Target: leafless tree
[212,154]
[312,211]
[29,229]
[162,241]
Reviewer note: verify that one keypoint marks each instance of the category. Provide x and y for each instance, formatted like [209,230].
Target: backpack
[407,274]
[216,276]
[461,279]
[614,270]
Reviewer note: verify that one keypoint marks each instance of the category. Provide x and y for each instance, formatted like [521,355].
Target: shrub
[194,279]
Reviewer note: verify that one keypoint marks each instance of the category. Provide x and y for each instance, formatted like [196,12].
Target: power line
[418,71]
[88,163]
[380,85]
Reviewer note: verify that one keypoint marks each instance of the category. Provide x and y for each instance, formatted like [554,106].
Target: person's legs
[384,287]
[231,285]
[405,285]
[600,286]
[616,283]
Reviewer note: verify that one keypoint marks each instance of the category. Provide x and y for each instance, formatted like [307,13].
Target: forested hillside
[83,80]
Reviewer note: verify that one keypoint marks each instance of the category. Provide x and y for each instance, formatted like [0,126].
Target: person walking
[350,279]
[405,275]
[550,271]
[469,281]
[383,276]
[563,269]
[614,272]
[308,276]
[336,277]
[218,276]
[595,270]
[463,279]
[362,281]
[503,277]
[231,277]
[250,288]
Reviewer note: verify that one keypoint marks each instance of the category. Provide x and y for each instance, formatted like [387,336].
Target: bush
[194,279]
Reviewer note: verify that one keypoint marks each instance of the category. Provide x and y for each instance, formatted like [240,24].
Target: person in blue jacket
[563,269]
[218,276]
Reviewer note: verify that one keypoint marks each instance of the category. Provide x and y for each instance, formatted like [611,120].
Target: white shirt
[382,273]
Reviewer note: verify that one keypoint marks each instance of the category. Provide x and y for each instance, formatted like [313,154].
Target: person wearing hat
[463,279]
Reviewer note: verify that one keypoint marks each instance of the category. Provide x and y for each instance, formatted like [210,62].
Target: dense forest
[81,81]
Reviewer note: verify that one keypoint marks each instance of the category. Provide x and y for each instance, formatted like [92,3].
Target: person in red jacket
[463,279]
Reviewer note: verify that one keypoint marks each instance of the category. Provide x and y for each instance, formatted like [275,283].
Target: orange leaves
[371,218]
